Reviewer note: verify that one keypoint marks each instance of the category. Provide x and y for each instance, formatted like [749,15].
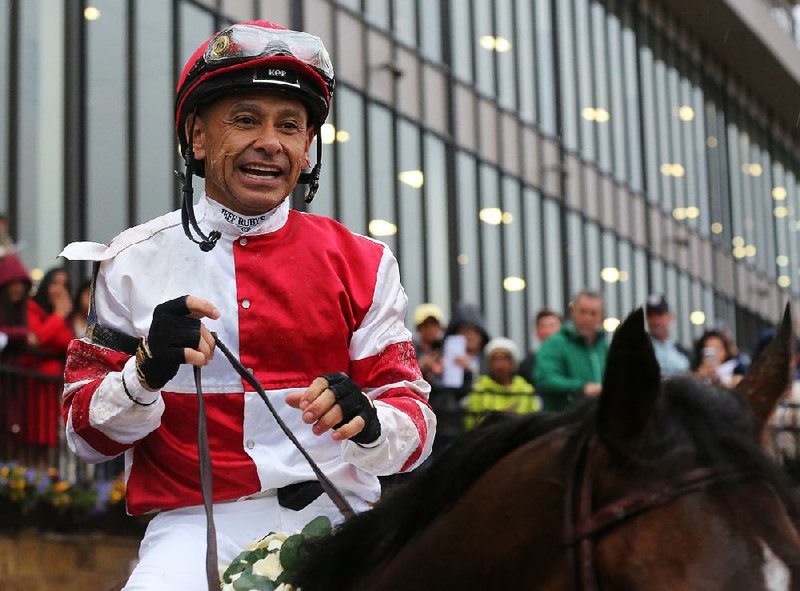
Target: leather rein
[584,525]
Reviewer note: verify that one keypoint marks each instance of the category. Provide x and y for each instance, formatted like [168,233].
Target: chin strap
[312,178]
[206,242]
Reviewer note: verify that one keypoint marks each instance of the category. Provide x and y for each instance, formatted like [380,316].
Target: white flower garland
[268,564]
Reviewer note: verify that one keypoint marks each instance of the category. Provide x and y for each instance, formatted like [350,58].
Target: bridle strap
[580,533]
[649,498]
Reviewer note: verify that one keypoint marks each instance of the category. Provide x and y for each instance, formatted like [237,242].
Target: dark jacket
[565,363]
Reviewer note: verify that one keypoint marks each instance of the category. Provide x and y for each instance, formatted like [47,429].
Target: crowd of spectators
[473,374]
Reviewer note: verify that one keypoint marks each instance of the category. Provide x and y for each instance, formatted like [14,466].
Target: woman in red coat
[48,322]
[15,287]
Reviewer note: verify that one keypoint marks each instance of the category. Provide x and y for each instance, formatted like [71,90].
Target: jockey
[314,311]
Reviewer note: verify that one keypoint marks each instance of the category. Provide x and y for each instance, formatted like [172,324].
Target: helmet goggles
[242,43]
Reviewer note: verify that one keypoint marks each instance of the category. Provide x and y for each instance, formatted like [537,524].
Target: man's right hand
[176,336]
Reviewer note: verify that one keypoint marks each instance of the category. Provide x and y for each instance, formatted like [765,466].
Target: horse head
[718,511]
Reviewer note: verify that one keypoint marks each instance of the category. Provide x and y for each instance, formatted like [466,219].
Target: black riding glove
[354,403]
[159,357]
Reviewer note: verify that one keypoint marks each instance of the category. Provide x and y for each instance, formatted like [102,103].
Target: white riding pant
[172,554]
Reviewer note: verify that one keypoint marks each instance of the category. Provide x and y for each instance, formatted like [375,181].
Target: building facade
[511,152]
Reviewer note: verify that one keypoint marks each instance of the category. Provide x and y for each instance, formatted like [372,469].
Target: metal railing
[31,428]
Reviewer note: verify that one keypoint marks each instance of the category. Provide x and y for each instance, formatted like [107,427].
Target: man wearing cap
[672,359]
[314,311]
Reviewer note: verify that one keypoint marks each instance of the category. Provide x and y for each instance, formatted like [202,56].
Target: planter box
[43,561]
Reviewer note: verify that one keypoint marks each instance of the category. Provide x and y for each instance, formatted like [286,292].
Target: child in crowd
[501,390]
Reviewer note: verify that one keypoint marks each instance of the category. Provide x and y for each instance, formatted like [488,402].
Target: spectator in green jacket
[571,363]
[501,390]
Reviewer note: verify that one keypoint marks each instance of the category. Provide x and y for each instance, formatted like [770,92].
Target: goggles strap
[188,219]
[312,178]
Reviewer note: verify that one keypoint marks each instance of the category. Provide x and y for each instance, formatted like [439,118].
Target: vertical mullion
[132,188]
[12,144]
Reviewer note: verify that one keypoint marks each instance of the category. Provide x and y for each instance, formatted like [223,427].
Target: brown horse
[657,486]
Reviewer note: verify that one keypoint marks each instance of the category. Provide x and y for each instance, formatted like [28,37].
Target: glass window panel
[534,247]
[567,65]
[671,291]
[352,4]
[436,222]
[325,201]
[600,81]
[584,66]
[698,126]
[685,302]
[545,68]
[634,143]
[155,147]
[197,25]
[792,195]
[506,59]
[484,54]
[575,252]
[627,301]
[107,145]
[526,63]
[352,199]
[461,38]
[40,139]
[610,288]
[382,182]
[491,241]
[513,263]
[663,129]
[736,197]
[377,12]
[619,115]
[674,129]
[405,21]
[431,30]
[554,282]
[238,10]
[651,148]
[412,242]
[639,277]
[468,246]
[592,252]
[657,270]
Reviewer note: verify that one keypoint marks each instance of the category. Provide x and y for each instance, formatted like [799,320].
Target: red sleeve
[87,365]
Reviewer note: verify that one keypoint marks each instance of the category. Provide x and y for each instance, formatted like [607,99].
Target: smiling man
[313,310]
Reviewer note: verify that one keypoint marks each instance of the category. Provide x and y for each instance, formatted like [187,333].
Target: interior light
[716,228]
[487,42]
[738,241]
[382,228]
[342,136]
[782,260]
[513,284]
[679,213]
[601,115]
[610,274]
[37,274]
[779,193]
[752,168]
[750,251]
[711,141]
[412,178]
[610,324]
[697,317]
[589,113]
[686,113]
[678,170]
[692,213]
[784,281]
[328,133]
[623,276]
[90,13]
[508,217]
[462,259]
[491,215]
[501,44]
[740,252]
[781,211]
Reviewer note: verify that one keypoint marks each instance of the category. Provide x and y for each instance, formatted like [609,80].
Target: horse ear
[769,377]
[631,385]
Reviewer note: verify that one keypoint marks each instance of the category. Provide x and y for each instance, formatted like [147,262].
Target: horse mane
[716,423]
[335,563]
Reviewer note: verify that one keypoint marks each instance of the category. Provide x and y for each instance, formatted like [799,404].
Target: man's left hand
[334,401]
